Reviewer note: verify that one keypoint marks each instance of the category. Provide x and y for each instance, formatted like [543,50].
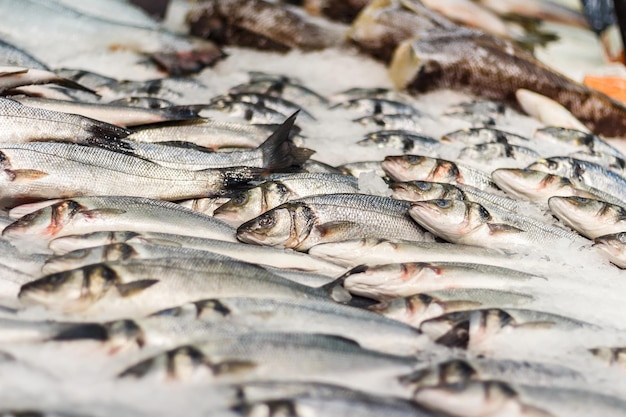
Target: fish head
[409,167]
[554,166]
[454,371]
[586,215]
[412,310]
[46,222]
[614,245]
[284,226]
[483,398]
[449,219]
[180,364]
[73,290]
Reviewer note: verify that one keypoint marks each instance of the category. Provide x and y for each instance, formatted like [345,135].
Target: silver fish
[403,140]
[478,135]
[357,168]
[14,56]
[470,223]
[590,217]
[373,106]
[415,309]
[288,89]
[424,168]
[304,223]
[255,113]
[143,102]
[278,104]
[43,170]
[257,200]
[384,282]
[583,140]
[614,247]
[612,162]
[12,77]
[92,214]
[117,289]
[612,356]
[494,150]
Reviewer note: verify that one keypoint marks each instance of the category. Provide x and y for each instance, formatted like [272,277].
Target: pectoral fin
[495,228]
[330,229]
[24,175]
[232,367]
[132,288]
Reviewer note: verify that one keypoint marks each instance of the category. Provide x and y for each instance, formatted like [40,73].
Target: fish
[12,77]
[471,224]
[588,173]
[275,153]
[288,89]
[373,106]
[136,214]
[370,251]
[478,112]
[388,281]
[255,113]
[539,186]
[372,93]
[487,152]
[25,124]
[303,223]
[362,167]
[143,102]
[424,168]
[209,133]
[608,161]
[425,190]
[545,10]
[204,205]
[392,122]
[256,357]
[259,24]
[118,115]
[107,246]
[42,28]
[43,170]
[144,286]
[450,59]
[478,135]
[547,111]
[590,217]
[612,356]
[613,247]
[278,104]
[406,141]
[13,55]
[469,329]
[255,201]
[415,309]
[584,141]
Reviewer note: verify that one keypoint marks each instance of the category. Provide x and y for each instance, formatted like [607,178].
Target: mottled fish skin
[356,252]
[304,223]
[487,152]
[591,218]
[588,173]
[143,286]
[385,282]
[614,247]
[475,328]
[392,122]
[584,140]
[43,170]
[479,113]
[271,102]
[373,106]
[255,113]
[470,223]
[406,141]
[117,213]
[269,194]
[257,357]
[24,124]
[424,168]
[415,309]
[457,58]
[12,55]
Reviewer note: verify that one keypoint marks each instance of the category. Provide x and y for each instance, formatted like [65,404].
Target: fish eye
[412,159]
[580,199]
[57,279]
[240,199]
[281,188]
[443,203]
[621,237]
[267,221]
[552,164]
[484,214]
[424,185]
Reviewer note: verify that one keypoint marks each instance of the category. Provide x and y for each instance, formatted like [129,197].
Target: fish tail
[279,152]
[236,179]
[83,331]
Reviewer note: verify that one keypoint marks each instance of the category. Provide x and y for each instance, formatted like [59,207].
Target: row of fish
[172,262]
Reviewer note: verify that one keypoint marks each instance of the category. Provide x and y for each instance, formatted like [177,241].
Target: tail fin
[279,152]
[338,293]
[236,179]
[107,136]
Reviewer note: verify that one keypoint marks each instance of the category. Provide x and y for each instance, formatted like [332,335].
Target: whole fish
[12,77]
[144,102]
[278,104]
[478,112]
[424,168]
[43,170]
[608,161]
[303,223]
[407,142]
[591,218]
[291,90]
[425,190]
[588,173]
[92,214]
[405,122]
[257,200]
[614,247]
[42,28]
[451,59]
[25,124]
[486,152]
[416,309]
[356,252]
[577,138]
[144,286]
[384,282]
[373,106]
[470,223]
[273,356]
[255,113]
[478,135]
[110,113]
